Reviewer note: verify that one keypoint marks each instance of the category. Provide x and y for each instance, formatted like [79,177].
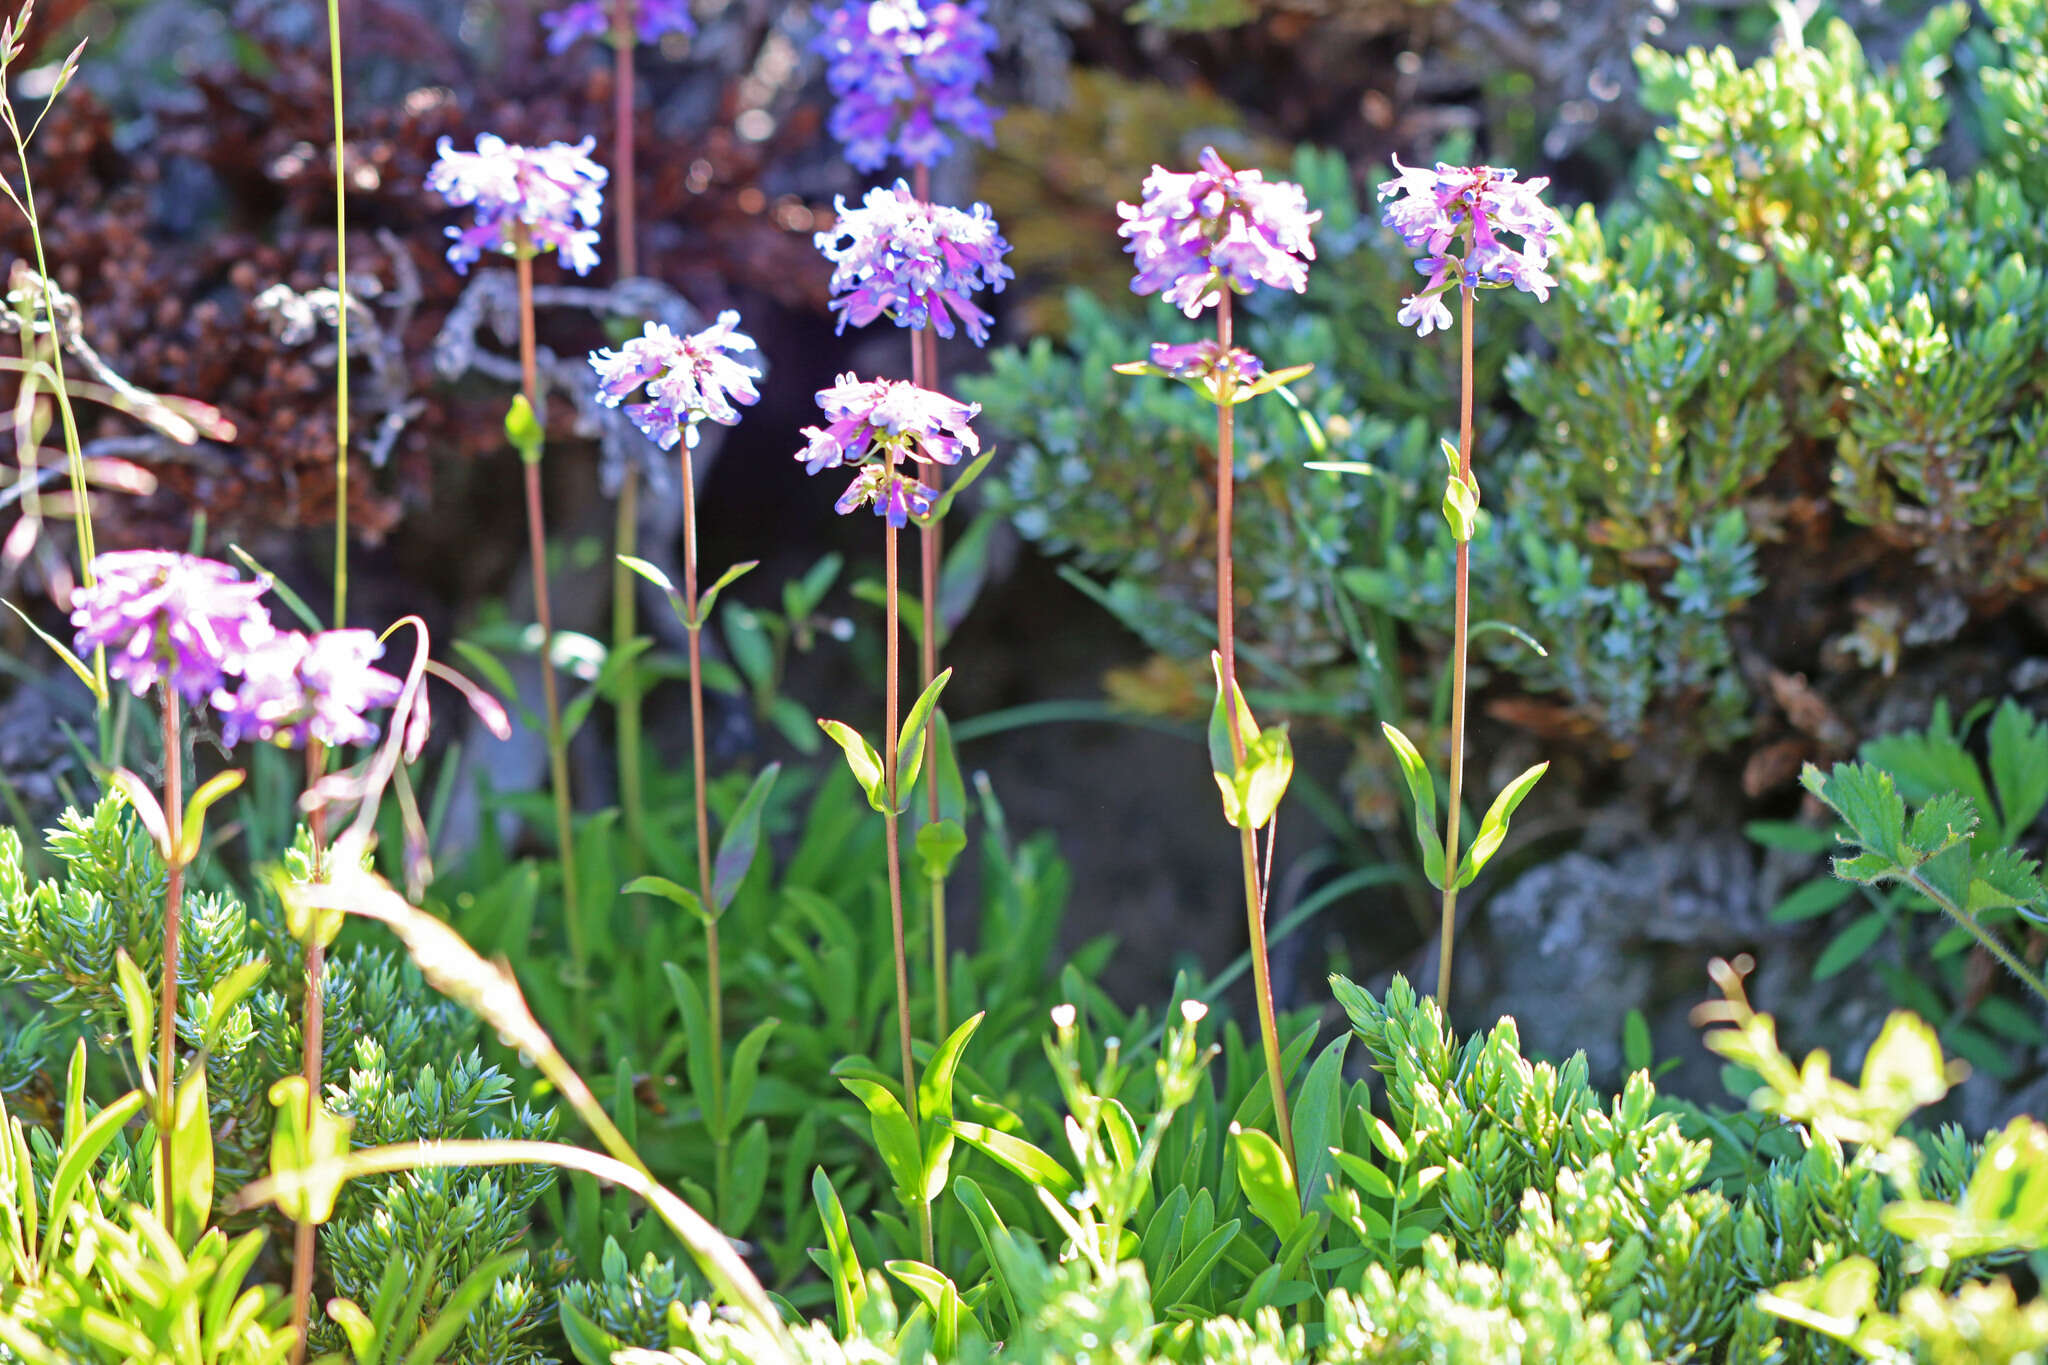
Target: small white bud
[1193,1011]
[1063,1016]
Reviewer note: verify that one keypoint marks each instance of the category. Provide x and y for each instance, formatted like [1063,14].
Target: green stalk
[714,988]
[1226,632]
[625,626]
[536,526]
[174,893]
[340,331]
[891,702]
[1459,635]
[924,372]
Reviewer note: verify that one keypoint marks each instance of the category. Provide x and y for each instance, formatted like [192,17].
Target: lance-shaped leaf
[840,1261]
[148,810]
[709,597]
[681,896]
[935,1106]
[1266,383]
[137,1001]
[194,829]
[910,744]
[1494,828]
[944,502]
[1222,753]
[57,647]
[1422,792]
[298,1147]
[742,836]
[894,1137]
[660,580]
[862,758]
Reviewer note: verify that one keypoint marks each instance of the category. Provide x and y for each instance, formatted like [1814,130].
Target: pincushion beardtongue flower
[527,199]
[919,264]
[907,76]
[530,200]
[689,381]
[182,625]
[876,426]
[1453,217]
[1197,239]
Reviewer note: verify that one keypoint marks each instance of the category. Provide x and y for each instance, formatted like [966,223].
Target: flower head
[1195,234]
[906,76]
[918,263]
[555,193]
[593,19]
[689,379]
[296,687]
[1431,210]
[876,423]
[176,619]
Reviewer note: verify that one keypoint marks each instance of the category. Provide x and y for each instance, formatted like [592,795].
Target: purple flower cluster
[906,75]
[1206,362]
[689,379]
[295,687]
[873,423]
[1433,209]
[169,618]
[556,193]
[1195,234]
[192,624]
[915,262]
[593,19]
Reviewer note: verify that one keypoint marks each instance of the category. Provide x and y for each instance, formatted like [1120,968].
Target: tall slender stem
[305,1237]
[624,191]
[1248,852]
[625,626]
[174,894]
[1458,639]
[537,548]
[714,992]
[340,335]
[892,701]
[924,372]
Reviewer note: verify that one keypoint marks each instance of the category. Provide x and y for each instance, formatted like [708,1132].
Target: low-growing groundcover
[706,1082]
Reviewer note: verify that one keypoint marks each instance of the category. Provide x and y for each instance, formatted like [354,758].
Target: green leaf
[71,661]
[1266,383]
[746,1070]
[910,744]
[862,758]
[1809,900]
[749,1179]
[1494,827]
[1017,1156]
[1789,835]
[494,672]
[742,836]
[590,1343]
[1319,1121]
[138,1005]
[1268,1184]
[1849,945]
[709,599]
[457,1309]
[1370,1179]
[895,1139]
[944,502]
[2019,766]
[935,1106]
[1269,763]
[1461,507]
[938,846]
[1867,801]
[229,993]
[1359,467]
[988,1227]
[849,1288]
[523,430]
[297,1146]
[76,1160]
[680,896]
[148,810]
[940,1295]
[1637,1051]
[193,830]
[1422,792]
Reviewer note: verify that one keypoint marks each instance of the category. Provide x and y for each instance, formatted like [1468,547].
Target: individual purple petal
[1194,234]
[556,192]
[169,618]
[907,76]
[690,379]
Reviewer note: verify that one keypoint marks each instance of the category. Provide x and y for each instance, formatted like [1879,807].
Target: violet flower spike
[907,77]
[689,379]
[169,618]
[917,263]
[297,687]
[1432,210]
[652,20]
[556,192]
[1195,234]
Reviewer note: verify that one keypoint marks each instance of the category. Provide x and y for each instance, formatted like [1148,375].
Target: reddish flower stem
[924,372]
[714,990]
[1459,634]
[174,895]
